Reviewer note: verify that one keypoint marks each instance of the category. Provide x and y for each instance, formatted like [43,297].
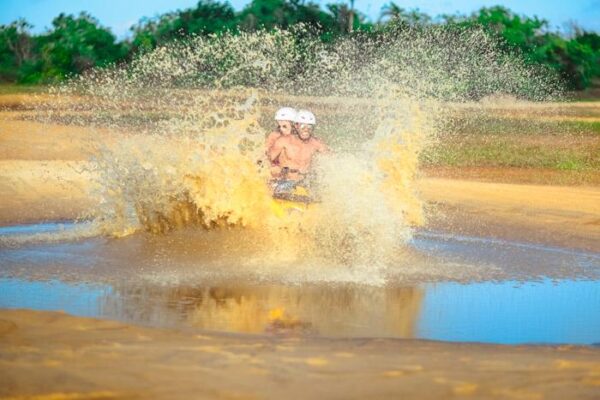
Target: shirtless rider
[284,117]
[295,152]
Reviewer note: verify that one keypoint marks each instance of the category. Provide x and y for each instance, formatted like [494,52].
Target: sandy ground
[45,355]
[79,358]
[555,215]
[33,191]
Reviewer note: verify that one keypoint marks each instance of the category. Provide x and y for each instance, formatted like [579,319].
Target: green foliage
[76,44]
[577,59]
[395,13]
[518,32]
[269,14]
[16,50]
[208,17]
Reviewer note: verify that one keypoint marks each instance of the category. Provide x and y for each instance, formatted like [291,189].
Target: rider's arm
[271,139]
[276,149]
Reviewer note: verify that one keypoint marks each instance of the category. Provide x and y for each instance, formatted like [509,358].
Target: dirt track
[558,215]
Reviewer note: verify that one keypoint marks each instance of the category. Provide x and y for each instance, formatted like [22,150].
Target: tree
[266,14]
[76,44]
[395,13]
[576,59]
[519,32]
[269,14]
[207,17]
[342,14]
[16,49]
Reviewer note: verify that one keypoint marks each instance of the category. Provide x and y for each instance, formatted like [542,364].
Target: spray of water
[190,120]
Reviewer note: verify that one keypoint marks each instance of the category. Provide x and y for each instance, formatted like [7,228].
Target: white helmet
[285,114]
[305,117]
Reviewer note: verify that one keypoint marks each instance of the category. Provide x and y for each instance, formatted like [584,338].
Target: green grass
[21,89]
[503,152]
[492,141]
[585,127]
[488,125]
[570,165]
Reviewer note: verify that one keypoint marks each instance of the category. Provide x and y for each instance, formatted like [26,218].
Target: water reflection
[509,312]
[327,310]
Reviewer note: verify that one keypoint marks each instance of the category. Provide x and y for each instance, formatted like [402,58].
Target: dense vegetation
[77,43]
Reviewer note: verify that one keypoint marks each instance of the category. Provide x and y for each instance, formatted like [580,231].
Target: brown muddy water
[441,286]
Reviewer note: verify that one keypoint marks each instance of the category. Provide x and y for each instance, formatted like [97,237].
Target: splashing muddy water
[187,123]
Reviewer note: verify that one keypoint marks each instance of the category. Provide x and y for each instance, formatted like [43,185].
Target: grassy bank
[563,145]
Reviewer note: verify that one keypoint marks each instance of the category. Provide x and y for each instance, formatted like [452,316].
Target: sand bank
[85,358]
[557,215]
[34,191]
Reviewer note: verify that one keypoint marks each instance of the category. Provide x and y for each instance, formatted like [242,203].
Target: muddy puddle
[441,286]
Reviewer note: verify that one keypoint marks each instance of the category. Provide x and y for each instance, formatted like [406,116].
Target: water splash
[188,122]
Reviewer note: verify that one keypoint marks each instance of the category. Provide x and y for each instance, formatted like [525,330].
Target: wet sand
[566,216]
[92,359]
[43,176]
[33,191]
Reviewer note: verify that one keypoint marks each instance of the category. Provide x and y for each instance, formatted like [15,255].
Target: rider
[284,117]
[295,152]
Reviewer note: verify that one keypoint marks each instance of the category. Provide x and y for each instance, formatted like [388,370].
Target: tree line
[75,44]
